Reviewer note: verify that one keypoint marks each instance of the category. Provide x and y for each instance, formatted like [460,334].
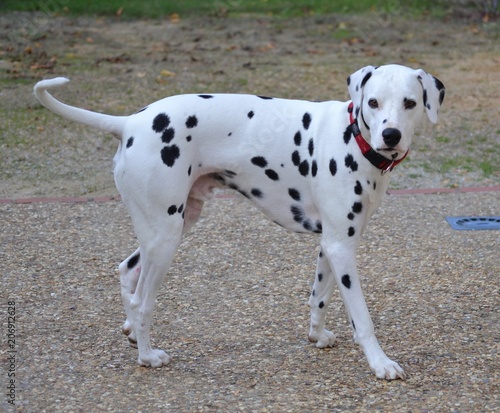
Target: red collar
[377,160]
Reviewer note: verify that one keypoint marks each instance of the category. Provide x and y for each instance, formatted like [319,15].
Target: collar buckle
[389,168]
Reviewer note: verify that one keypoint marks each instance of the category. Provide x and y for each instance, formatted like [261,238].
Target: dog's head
[389,102]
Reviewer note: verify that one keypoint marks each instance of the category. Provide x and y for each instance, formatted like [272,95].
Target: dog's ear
[433,94]
[355,84]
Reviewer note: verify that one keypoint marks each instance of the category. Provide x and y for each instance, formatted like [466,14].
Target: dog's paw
[154,358]
[388,370]
[322,338]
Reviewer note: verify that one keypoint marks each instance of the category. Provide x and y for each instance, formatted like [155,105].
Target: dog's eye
[373,103]
[410,103]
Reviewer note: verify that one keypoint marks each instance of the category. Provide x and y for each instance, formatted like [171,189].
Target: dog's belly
[290,205]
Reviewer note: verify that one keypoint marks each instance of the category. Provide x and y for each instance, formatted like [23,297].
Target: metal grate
[474,223]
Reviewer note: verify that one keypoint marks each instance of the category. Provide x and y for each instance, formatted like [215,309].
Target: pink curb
[443,190]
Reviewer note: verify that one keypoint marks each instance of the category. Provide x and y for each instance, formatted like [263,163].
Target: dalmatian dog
[320,167]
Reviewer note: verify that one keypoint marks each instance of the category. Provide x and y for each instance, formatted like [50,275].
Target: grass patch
[284,8]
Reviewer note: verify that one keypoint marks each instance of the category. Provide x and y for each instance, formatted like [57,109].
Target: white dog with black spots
[319,167]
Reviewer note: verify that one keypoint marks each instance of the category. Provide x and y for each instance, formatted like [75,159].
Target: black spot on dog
[172,210]
[265,97]
[313,293]
[319,227]
[351,163]
[353,325]
[346,281]
[358,189]
[333,167]
[179,210]
[169,154]
[347,134]
[307,224]
[296,158]
[365,79]
[374,186]
[132,262]
[188,138]
[191,122]
[297,138]
[314,168]
[272,174]
[205,96]
[189,170]
[294,194]
[321,304]
[130,142]
[351,231]
[320,277]
[250,114]
[259,161]
[441,89]
[229,173]
[297,212]
[320,255]
[350,216]
[142,110]
[357,207]
[167,135]
[304,168]
[311,147]
[425,97]
[160,122]
[257,193]
[306,120]
[349,81]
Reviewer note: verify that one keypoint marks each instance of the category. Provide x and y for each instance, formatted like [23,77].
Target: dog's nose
[391,137]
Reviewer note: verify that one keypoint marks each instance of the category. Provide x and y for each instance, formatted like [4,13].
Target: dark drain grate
[476,223]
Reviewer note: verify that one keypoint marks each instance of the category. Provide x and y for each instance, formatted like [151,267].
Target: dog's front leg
[342,259]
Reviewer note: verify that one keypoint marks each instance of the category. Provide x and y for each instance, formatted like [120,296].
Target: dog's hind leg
[159,231]
[129,271]
[157,255]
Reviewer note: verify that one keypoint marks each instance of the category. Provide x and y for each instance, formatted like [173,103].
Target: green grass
[159,8]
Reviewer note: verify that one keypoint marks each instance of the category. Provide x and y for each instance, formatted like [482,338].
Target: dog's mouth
[392,153]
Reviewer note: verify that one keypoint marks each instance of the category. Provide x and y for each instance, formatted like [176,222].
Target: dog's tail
[107,123]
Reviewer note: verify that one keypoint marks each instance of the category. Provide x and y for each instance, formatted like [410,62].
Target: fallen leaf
[166,73]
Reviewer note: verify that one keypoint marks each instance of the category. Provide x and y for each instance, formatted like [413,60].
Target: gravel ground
[236,323]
